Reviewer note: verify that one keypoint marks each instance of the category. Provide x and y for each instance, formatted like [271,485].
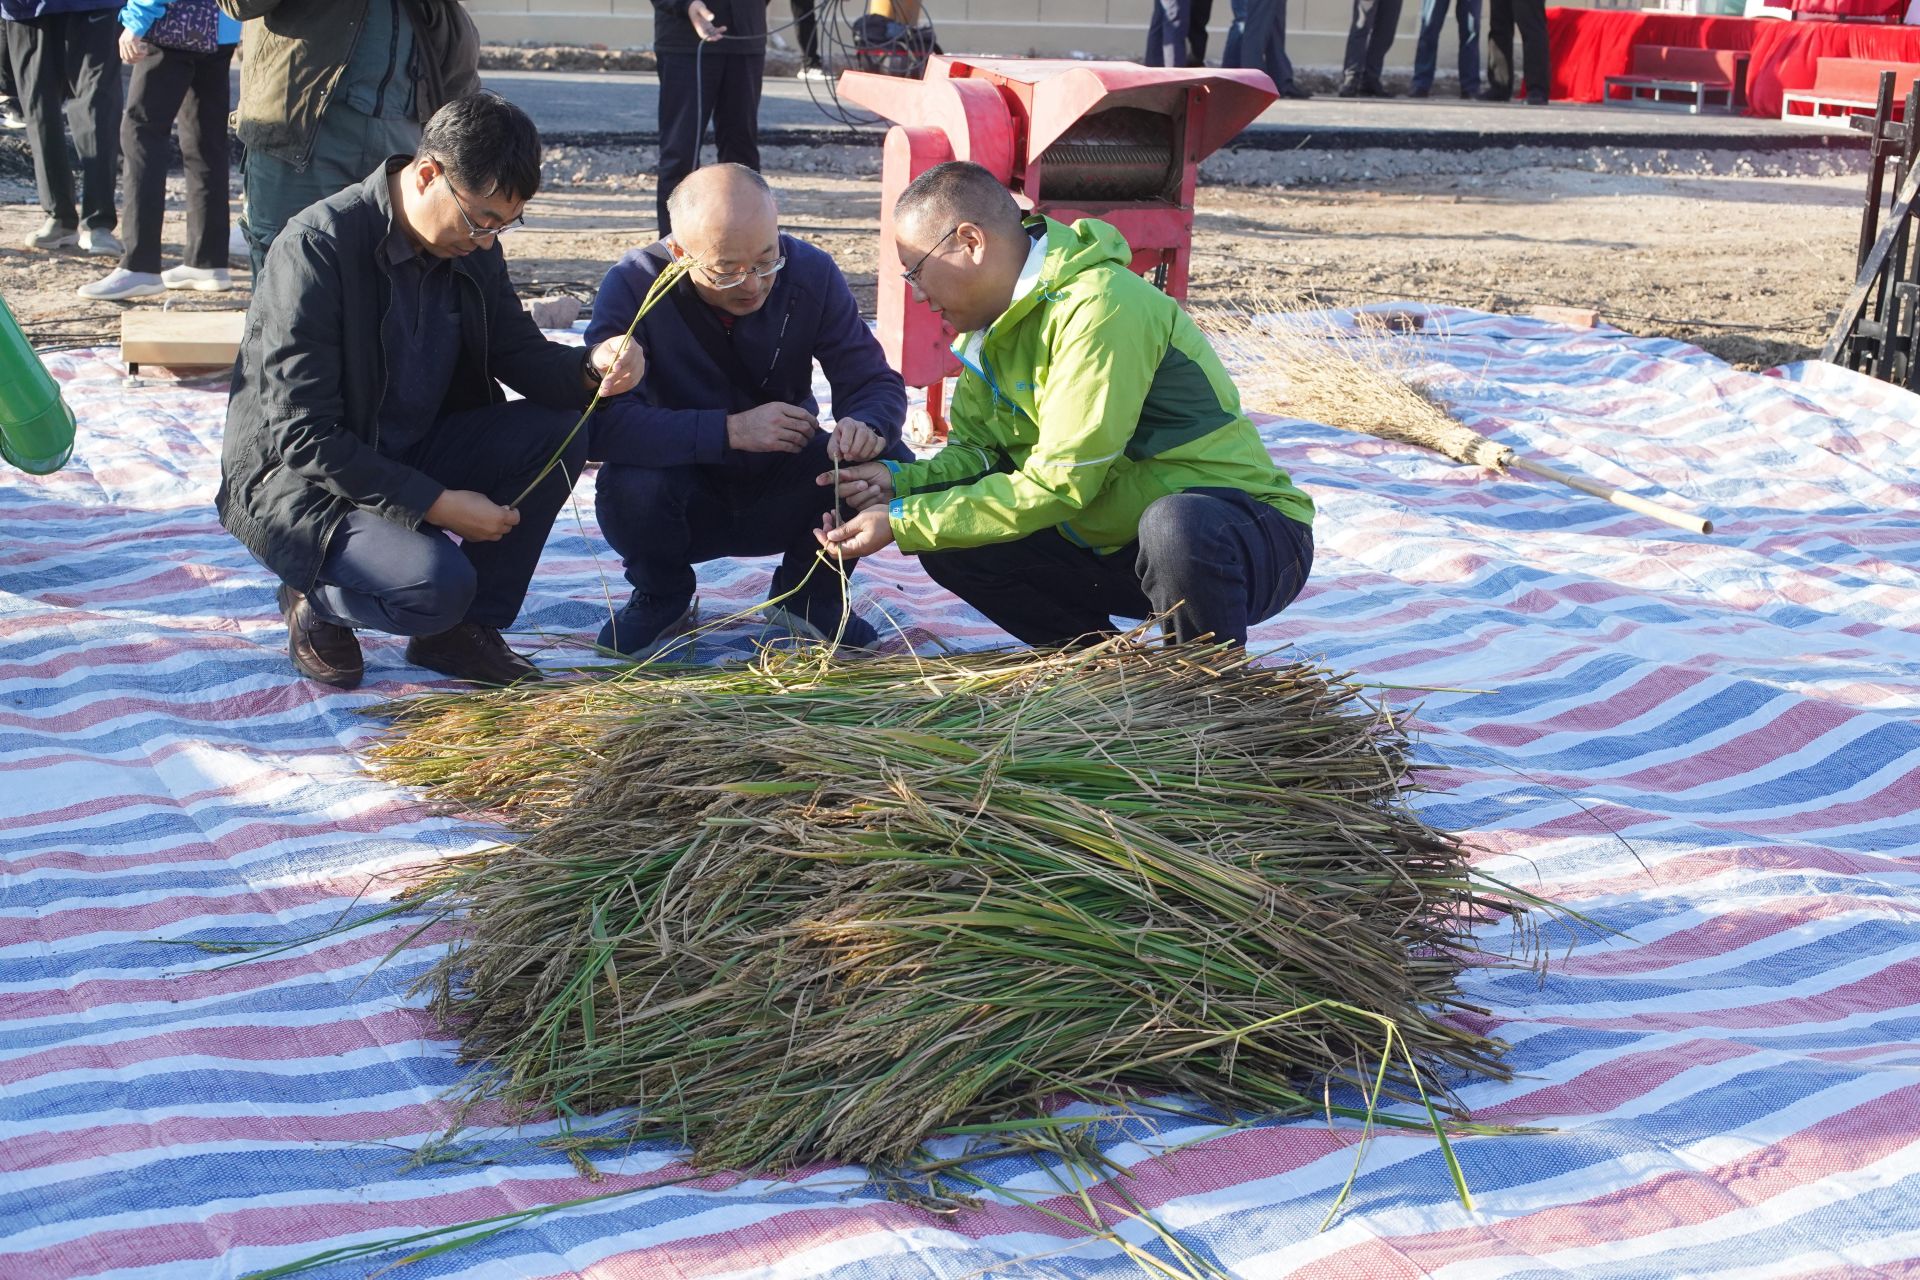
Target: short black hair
[486,145]
[960,191]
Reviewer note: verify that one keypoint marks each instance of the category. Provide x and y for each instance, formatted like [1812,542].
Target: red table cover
[1591,44]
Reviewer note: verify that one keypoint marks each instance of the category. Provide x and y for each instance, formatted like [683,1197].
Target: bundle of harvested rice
[1348,371]
[805,910]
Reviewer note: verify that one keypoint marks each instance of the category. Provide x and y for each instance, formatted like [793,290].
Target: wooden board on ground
[180,339]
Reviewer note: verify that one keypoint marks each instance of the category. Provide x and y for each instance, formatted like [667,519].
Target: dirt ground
[1747,266]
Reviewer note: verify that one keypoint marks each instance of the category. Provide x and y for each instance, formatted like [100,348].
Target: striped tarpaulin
[1706,744]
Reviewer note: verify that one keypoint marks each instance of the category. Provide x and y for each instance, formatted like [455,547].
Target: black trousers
[808,29]
[71,59]
[728,93]
[1531,17]
[8,93]
[195,88]
[1176,25]
[1217,559]
[1368,39]
[664,520]
[383,576]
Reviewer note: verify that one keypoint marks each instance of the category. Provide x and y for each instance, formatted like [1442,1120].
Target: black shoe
[471,652]
[1377,90]
[1536,99]
[321,650]
[1419,93]
[1296,93]
[1488,95]
[1348,89]
[856,633]
[1469,95]
[646,624]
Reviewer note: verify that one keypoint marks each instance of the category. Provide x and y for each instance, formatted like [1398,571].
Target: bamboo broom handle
[1619,497]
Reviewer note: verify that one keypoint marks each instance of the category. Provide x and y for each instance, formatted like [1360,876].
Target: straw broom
[1305,365]
[807,911]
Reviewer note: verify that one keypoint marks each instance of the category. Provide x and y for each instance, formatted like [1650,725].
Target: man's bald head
[719,193]
[725,219]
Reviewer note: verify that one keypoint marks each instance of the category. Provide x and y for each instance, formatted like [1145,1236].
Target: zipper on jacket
[393,57]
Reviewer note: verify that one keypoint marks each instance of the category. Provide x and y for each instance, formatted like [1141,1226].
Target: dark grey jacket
[301,449]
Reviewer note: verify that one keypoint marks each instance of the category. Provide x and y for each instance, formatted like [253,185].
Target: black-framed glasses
[734,279]
[912,274]
[474,229]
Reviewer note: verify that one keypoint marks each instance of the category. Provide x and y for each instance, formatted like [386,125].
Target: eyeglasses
[912,276]
[734,279]
[474,229]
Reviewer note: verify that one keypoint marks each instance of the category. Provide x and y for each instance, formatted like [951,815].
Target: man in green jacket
[1098,464]
[330,88]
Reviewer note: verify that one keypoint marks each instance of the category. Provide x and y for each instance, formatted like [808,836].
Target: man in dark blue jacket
[716,453]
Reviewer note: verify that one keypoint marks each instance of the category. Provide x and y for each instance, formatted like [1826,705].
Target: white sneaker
[814,73]
[10,116]
[99,240]
[51,235]
[120,284]
[202,279]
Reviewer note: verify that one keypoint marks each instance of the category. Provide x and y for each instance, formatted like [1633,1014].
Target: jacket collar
[380,196]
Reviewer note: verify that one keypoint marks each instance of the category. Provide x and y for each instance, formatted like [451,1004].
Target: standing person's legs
[1042,589]
[1386,24]
[1531,17]
[808,29]
[683,124]
[1220,561]
[1353,67]
[1199,14]
[94,110]
[9,88]
[1167,34]
[1230,53]
[736,111]
[38,48]
[1499,51]
[160,84]
[1467,13]
[1426,49]
[203,150]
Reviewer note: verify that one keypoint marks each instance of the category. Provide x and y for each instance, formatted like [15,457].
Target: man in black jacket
[366,425]
[712,55]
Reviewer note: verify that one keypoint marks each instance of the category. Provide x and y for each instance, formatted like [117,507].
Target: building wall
[1316,29]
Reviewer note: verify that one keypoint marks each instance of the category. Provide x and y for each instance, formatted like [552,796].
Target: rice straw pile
[803,910]
[1343,373]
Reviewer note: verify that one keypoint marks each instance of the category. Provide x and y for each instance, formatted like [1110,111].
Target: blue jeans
[1426,53]
[1263,41]
[1236,31]
[1219,560]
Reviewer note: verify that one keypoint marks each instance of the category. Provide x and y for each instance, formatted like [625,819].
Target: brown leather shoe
[471,652]
[323,651]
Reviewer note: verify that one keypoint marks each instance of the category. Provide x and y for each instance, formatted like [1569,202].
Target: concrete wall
[1316,29]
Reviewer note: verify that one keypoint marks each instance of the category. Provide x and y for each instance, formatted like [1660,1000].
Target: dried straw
[1347,375]
[1352,375]
[802,910]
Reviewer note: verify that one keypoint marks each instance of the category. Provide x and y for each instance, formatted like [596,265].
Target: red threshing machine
[1108,140]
